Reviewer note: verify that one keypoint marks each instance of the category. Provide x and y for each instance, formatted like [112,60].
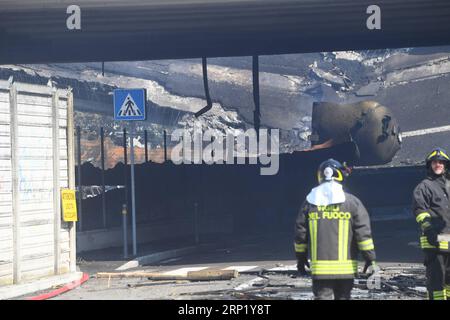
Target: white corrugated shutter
[6,217]
[34,241]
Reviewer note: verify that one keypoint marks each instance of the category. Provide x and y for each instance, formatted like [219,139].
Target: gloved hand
[302,261]
[373,264]
[432,236]
[429,231]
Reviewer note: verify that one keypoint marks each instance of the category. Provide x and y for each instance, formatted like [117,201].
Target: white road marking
[240,268]
[128,265]
[184,271]
[422,132]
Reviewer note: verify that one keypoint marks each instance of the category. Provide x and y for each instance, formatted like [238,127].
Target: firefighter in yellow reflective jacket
[333,225]
[431,206]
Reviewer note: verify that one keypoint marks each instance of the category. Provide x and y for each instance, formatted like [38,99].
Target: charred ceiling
[109,30]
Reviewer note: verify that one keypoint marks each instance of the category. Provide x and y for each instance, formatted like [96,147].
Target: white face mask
[327,193]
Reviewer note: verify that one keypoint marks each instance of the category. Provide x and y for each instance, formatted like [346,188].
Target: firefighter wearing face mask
[332,226]
[431,207]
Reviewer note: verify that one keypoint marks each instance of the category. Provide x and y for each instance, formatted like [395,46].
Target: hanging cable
[257,112]
[205,84]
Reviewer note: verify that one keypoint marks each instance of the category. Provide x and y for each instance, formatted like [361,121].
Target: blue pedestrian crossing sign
[129,104]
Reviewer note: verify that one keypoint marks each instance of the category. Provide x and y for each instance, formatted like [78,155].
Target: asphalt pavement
[265,263]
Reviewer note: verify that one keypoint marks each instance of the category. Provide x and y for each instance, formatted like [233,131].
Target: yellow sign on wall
[69,205]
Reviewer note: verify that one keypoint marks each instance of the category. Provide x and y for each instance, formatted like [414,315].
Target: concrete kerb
[18,290]
[164,255]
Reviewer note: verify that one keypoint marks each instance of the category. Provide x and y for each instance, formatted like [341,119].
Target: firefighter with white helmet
[333,226]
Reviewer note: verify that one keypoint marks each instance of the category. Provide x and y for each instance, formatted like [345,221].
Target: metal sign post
[133,202]
[124,226]
[129,105]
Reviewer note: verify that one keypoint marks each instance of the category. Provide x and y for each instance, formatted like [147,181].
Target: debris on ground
[390,283]
[202,275]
